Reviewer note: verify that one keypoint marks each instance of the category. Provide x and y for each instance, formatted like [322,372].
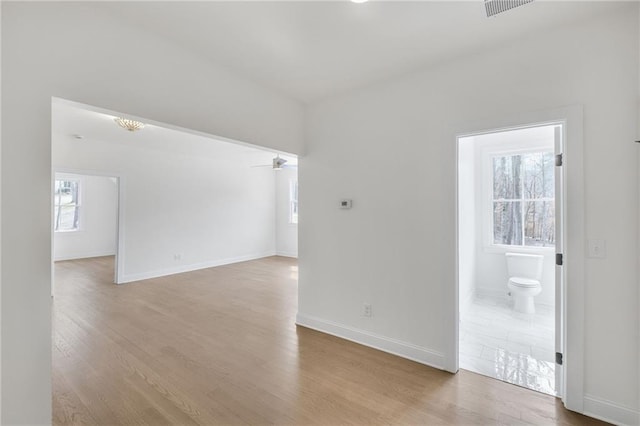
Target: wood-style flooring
[219,346]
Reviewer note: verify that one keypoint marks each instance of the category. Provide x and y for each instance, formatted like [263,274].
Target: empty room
[320,212]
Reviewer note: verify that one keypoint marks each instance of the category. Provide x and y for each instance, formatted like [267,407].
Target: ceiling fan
[494,7]
[278,163]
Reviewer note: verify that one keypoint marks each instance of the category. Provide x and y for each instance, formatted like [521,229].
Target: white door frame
[573,312]
[120,185]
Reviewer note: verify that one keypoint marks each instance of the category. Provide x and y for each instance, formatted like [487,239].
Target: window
[66,201]
[293,201]
[523,199]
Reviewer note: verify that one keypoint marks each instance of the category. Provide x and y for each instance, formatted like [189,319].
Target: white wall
[1,7]
[395,248]
[467,221]
[76,52]
[638,156]
[98,220]
[182,211]
[286,232]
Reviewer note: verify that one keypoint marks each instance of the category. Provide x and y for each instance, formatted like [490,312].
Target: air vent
[494,7]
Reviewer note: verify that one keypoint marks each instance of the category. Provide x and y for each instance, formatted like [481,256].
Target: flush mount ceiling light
[494,7]
[128,124]
[359,1]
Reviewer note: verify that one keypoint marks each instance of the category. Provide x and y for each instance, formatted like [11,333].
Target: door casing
[572,304]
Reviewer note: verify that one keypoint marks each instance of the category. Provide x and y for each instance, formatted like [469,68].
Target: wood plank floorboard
[220,346]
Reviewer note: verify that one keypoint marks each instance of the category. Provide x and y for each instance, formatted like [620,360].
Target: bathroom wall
[466,222]
[491,276]
[482,268]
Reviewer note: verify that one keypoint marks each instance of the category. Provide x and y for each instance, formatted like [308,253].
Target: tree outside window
[523,199]
[66,196]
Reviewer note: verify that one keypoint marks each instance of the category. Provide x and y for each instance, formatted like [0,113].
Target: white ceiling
[311,50]
[70,119]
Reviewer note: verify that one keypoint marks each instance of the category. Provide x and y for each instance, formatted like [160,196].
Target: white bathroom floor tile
[471,350]
[509,346]
[547,355]
[516,347]
[486,330]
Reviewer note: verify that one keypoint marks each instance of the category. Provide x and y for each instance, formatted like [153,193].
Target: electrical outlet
[177,256]
[366,310]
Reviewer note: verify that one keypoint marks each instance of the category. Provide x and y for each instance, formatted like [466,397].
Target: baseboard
[84,256]
[466,301]
[396,347]
[610,412]
[127,278]
[287,254]
[496,294]
[492,293]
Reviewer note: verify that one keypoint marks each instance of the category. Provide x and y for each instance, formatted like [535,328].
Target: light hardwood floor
[219,346]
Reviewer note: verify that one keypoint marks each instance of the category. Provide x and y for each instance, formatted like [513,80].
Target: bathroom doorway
[509,231]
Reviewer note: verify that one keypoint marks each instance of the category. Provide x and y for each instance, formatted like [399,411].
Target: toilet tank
[524,265]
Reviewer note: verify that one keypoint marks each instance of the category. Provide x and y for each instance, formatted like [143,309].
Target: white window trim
[487,154]
[81,218]
[292,184]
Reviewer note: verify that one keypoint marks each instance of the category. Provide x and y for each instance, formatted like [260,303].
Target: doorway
[86,217]
[510,227]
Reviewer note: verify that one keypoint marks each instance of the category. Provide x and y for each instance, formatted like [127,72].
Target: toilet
[525,272]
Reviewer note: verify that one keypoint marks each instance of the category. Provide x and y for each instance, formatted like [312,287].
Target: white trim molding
[488,151]
[493,293]
[610,412]
[287,254]
[127,278]
[396,347]
[84,255]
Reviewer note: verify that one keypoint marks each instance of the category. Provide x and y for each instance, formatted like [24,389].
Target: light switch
[597,248]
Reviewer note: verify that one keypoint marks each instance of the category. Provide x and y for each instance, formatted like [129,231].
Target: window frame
[488,154]
[293,202]
[78,205]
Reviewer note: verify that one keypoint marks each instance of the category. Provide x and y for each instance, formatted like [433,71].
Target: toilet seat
[524,282]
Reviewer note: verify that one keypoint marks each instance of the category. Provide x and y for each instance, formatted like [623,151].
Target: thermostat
[345,204]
